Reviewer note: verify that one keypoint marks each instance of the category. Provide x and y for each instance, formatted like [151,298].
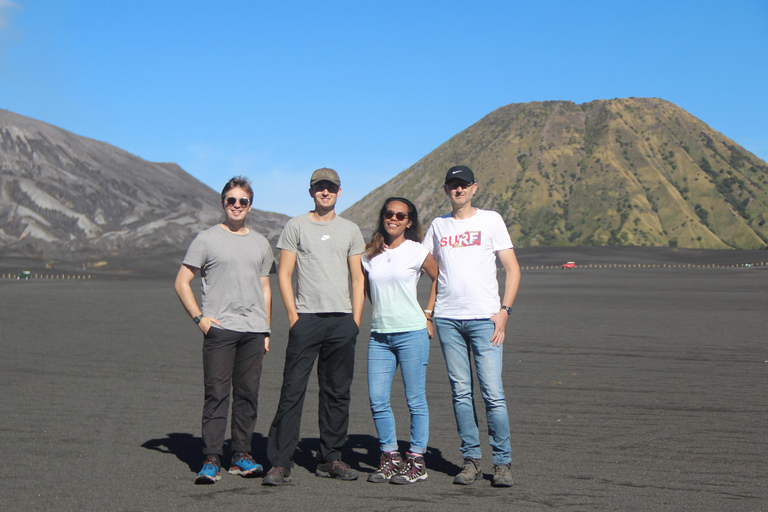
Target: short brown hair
[237,182]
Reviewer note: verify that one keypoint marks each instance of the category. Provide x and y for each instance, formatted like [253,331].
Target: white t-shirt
[465,251]
[393,276]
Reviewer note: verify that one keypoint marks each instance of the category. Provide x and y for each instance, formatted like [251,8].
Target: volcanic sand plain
[629,388]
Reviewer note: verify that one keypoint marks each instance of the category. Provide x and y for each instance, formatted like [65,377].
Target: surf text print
[463,240]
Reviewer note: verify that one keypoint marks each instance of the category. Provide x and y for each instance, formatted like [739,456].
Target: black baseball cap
[460,172]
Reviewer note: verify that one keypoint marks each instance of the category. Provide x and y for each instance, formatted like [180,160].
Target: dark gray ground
[628,389]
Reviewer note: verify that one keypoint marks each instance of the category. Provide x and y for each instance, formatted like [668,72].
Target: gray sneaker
[278,475]
[469,473]
[336,469]
[502,476]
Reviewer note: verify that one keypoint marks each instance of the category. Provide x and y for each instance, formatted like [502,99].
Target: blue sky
[274,90]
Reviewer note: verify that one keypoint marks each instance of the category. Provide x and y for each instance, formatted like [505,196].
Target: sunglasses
[244,201]
[454,184]
[398,215]
[325,185]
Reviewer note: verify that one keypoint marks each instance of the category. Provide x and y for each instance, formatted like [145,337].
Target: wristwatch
[507,309]
[198,318]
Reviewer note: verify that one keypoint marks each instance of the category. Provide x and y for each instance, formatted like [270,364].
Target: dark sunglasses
[244,201]
[454,184]
[325,185]
[398,215]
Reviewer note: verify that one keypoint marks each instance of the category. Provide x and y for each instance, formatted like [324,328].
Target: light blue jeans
[460,340]
[411,351]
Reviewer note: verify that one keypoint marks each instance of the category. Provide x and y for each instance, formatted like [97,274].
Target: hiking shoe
[244,465]
[211,471]
[388,465]
[278,475]
[410,471]
[502,475]
[469,473]
[336,469]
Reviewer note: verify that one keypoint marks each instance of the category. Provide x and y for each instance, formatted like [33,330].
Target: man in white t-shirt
[470,321]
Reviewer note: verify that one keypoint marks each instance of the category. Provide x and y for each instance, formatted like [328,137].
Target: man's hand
[205,324]
[500,320]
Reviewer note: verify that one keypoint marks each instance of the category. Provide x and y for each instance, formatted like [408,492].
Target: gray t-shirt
[322,249]
[231,267]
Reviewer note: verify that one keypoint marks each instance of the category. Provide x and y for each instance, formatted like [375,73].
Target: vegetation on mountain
[631,171]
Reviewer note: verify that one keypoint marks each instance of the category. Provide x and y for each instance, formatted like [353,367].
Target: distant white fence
[45,276]
[643,265]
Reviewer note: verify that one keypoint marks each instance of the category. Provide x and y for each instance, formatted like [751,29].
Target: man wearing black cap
[469,319]
[325,251]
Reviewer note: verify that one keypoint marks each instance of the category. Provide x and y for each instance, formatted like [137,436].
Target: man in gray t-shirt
[234,263]
[324,250]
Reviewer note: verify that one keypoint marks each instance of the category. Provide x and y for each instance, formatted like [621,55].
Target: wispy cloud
[7,10]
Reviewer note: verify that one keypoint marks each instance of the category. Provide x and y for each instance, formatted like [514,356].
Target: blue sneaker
[244,465]
[211,471]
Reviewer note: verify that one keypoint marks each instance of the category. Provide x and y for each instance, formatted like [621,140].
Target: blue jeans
[460,340]
[411,351]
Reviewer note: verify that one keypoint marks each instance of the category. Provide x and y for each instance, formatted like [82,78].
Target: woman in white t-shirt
[393,262]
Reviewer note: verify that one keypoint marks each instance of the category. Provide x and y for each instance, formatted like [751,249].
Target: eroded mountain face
[68,197]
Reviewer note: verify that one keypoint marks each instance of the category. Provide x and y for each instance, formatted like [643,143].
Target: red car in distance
[569,264]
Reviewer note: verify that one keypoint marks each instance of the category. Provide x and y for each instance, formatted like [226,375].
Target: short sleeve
[289,238]
[429,241]
[268,260]
[197,254]
[501,239]
[357,243]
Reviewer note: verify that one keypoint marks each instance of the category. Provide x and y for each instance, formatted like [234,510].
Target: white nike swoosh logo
[325,237]
[454,172]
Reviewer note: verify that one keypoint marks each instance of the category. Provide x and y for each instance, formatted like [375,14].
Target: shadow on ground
[361,452]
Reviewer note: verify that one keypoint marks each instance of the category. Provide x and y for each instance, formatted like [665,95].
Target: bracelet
[428,311]
[429,319]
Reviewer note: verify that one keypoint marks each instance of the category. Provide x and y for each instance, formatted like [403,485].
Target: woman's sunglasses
[398,215]
[244,201]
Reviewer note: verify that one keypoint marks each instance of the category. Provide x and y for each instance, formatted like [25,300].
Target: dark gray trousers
[231,360]
[330,338]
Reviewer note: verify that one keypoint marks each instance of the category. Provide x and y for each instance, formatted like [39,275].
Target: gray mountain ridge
[75,200]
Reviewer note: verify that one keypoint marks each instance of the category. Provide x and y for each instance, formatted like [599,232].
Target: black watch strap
[507,309]
[198,318]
